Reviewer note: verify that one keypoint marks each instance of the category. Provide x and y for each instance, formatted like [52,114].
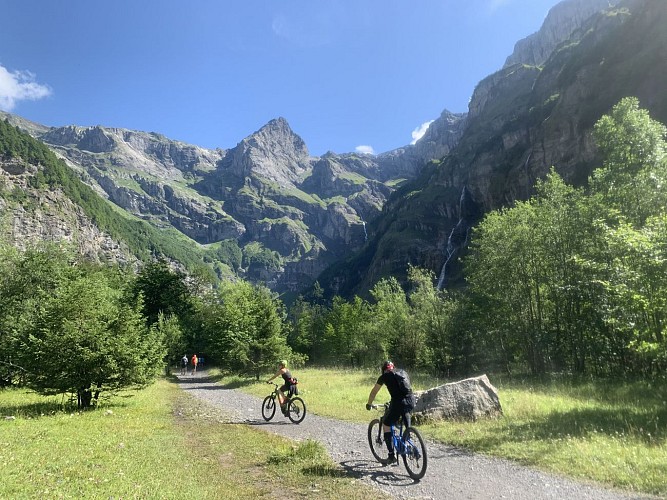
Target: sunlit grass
[159,443]
[611,432]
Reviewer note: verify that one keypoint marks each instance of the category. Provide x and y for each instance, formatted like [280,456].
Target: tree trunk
[84,398]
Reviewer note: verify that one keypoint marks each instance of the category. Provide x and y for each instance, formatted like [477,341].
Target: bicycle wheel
[415,458]
[296,410]
[376,441]
[268,407]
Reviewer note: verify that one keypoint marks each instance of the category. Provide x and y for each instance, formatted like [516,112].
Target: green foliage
[257,257]
[412,328]
[229,252]
[71,329]
[243,328]
[575,282]
[634,171]
[162,291]
[169,329]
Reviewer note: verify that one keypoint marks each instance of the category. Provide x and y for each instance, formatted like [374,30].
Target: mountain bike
[295,407]
[408,444]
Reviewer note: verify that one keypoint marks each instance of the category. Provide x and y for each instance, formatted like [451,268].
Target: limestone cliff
[560,25]
[522,120]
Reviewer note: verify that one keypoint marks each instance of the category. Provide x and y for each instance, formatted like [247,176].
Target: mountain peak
[561,22]
[273,152]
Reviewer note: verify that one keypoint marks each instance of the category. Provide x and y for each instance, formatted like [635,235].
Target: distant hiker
[288,386]
[402,401]
[195,361]
[184,364]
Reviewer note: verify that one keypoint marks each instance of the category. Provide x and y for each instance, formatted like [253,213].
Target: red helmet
[387,365]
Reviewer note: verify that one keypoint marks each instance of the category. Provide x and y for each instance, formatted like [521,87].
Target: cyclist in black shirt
[288,382]
[400,406]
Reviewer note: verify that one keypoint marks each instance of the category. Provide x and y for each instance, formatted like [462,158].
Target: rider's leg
[407,420]
[389,419]
[388,439]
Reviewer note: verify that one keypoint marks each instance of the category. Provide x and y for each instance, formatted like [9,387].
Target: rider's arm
[279,372]
[371,397]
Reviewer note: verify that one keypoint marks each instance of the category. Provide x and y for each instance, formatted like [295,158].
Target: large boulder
[467,399]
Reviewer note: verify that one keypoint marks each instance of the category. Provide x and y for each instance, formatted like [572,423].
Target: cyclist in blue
[288,382]
[402,402]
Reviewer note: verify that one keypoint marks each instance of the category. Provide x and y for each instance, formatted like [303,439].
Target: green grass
[159,443]
[610,432]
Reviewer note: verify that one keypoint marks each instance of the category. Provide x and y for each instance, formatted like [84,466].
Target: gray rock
[468,399]
[559,25]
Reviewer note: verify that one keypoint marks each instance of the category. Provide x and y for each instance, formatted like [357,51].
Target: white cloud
[365,150]
[18,86]
[419,132]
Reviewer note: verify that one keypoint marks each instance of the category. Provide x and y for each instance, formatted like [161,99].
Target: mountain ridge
[307,213]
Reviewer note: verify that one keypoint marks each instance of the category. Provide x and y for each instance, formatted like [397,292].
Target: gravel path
[452,473]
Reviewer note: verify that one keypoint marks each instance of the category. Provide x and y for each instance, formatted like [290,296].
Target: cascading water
[458,237]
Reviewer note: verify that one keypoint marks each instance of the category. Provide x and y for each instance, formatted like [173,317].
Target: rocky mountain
[32,215]
[522,120]
[563,20]
[291,216]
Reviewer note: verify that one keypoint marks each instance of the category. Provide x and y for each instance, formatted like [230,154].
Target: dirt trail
[452,473]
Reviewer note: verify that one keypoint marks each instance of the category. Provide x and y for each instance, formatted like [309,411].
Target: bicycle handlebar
[383,406]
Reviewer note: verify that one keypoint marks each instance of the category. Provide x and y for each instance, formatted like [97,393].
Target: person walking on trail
[288,386]
[401,405]
[184,364]
[195,361]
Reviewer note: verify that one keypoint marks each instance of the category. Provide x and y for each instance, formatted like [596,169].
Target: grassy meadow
[610,432]
[153,443]
[156,443]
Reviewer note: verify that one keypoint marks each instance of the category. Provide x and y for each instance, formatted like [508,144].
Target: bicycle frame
[397,438]
[295,406]
[406,440]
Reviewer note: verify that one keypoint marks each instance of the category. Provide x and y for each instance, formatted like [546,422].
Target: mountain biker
[288,382]
[402,403]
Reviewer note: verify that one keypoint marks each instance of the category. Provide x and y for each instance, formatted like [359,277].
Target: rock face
[50,216]
[522,121]
[535,113]
[273,153]
[267,189]
[558,27]
[469,399]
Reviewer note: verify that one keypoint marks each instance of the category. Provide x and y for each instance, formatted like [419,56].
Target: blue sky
[346,74]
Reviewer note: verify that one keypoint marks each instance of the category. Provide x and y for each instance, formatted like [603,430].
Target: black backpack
[403,380]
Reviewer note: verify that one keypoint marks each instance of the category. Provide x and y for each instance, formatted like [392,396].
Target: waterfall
[458,237]
[363,223]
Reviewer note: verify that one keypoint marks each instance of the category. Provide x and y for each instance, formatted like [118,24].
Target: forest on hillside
[572,281]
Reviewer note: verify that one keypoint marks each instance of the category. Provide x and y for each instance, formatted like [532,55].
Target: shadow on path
[384,475]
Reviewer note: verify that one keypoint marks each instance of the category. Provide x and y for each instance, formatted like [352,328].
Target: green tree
[634,170]
[524,268]
[244,328]
[27,281]
[169,329]
[87,340]
[390,319]
[347,339]
[163,290]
